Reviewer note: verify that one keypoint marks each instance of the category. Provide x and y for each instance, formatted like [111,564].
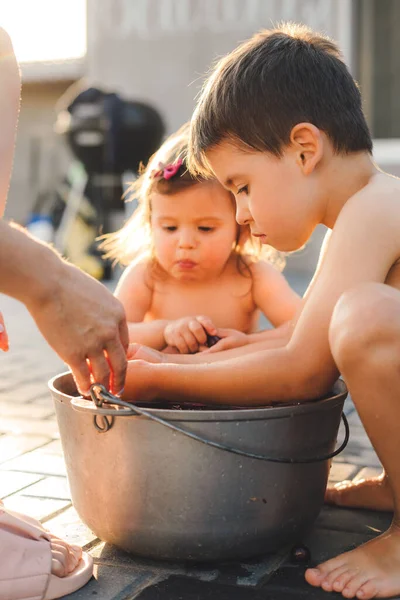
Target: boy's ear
[307,142]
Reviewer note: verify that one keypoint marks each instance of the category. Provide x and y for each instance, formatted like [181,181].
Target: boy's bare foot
[374,493]
[371,571]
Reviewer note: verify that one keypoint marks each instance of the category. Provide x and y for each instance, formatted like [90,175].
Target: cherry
[212,340]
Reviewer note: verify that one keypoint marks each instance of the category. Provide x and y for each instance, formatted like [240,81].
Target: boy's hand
[189,334]
[139,382]
[3,335]
[230,338]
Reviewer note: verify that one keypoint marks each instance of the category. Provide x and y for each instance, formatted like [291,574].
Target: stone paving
[33,480]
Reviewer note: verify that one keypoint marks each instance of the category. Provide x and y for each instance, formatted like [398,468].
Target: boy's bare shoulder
[367,227]
[377,202]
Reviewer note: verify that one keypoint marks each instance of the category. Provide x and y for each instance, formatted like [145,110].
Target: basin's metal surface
[157,493]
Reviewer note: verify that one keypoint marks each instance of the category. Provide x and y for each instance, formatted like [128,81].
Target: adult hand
[86,326]
[230,338]
[189,334]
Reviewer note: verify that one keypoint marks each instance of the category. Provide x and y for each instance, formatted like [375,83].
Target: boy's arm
[360,250]
[135,292]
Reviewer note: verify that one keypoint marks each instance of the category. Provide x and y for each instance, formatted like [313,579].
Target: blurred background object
[155,53]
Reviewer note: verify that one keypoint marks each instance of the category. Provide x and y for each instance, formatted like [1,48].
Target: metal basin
[157,493]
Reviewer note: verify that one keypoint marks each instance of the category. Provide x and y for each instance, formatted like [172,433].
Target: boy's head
[270,83]
[275,109]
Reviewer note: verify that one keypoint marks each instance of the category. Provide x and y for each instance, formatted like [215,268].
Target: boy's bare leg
[365,342]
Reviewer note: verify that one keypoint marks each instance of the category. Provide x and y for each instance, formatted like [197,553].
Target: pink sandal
[3,335]
[26,558]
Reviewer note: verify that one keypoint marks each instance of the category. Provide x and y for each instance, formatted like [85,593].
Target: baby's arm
[135,292]
[273,295]
[304,368]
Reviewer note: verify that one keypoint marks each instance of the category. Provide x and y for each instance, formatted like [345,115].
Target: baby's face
[194,231]
[272,194]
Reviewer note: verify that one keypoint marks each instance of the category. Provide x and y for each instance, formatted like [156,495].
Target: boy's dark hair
[278,78]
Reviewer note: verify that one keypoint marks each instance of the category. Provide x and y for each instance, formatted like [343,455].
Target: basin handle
[101,396]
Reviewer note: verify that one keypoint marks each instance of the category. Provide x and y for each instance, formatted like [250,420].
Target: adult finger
[117,360]
[207,324]
[100,369]
[124,333]
[198,331]
[81,374]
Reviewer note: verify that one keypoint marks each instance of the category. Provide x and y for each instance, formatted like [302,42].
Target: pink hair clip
[168,171]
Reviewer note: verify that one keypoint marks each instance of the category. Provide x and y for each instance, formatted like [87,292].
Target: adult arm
[10,86]
[78,316]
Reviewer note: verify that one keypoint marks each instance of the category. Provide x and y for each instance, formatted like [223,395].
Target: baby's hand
[230,338]
[3,335]
[189,334]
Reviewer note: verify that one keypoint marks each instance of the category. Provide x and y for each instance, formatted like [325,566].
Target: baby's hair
[270,83]
[133,242]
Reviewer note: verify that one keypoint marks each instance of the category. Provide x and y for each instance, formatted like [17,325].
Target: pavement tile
[110,583]
[340,471]
[364,522]
[326,543]
[44,400]
[25,411]
[289,584]
[368,472]
[364,457]
[30,426]
[39,508]
[56,488]
[246,574]
[11,482]
[40,461]
[177,588]
[54,447]
[12,446]
[69,526]
[15,390]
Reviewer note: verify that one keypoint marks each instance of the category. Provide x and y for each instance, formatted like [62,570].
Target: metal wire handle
[100,395]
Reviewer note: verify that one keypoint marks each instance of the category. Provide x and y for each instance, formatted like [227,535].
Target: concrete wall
[40,155]
[158,51]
